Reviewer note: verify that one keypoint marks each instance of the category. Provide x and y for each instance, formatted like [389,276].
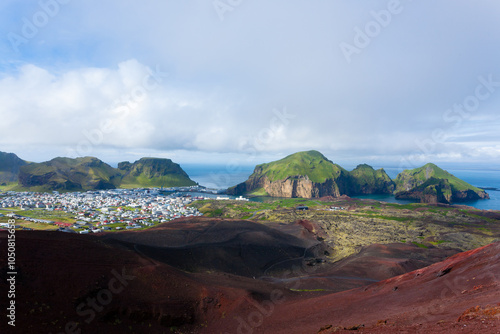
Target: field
[354,223]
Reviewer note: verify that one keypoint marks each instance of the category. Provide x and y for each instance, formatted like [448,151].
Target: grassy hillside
[67,174]
[311,174]
[312,164]
[9,168]
[89,173]
[415,177]
[368,180]
[153,172]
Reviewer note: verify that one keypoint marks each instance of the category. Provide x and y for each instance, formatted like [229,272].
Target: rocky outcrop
[367,180]
[300,186]
[148,172]
[311,175]
[90,173]
[67,174]
[431,184]
[433,191]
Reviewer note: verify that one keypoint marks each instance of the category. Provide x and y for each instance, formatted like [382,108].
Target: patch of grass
[216,213]
[38,226]
[484,229]
[8,186]
[384,217]
[419,245]
[439,242]
[411,206]
[310,163]
[59,216]
[259,192]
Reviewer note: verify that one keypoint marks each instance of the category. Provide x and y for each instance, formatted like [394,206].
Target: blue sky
[383,82]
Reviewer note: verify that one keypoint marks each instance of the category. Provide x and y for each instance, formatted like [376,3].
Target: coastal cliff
[431,184]
[311,175]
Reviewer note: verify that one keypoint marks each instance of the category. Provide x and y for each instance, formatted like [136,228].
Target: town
[98,211]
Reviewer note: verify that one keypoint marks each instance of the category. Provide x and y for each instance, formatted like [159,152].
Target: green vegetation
[430,183]
[346,223]
[59,216]
[438,242]
[317,176]
[312,164]
[153,172]
[369,180]
[9,168]
[420,245]
[88,173]
[10,186]
[422,174]
[258,192]
[68,174]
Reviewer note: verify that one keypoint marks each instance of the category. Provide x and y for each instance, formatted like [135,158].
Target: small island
[310,174]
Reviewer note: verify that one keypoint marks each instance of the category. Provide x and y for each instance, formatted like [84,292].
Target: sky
[241,82]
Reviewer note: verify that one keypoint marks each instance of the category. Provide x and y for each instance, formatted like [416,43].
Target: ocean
[223,177]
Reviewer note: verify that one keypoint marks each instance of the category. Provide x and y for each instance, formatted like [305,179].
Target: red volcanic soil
[127,283]
[458,295]
[372,264]
[237,247]
[71,282]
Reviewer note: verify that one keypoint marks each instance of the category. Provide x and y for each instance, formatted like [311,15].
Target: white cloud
[226,77]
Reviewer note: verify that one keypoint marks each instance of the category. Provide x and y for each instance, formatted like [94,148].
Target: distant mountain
[310,174]
[367,180]
[431,184]
[9,167]
[153,172]
[89,173]
[68,174]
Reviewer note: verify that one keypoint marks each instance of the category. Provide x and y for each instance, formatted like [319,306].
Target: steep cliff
[310,174]
[370,181]
[89,173]
[153,172]
[431,184]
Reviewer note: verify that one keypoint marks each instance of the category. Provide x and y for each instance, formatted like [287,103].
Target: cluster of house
[336,208]
[95,211]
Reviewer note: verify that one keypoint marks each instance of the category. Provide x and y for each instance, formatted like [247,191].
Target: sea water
[223,177]
[481,178]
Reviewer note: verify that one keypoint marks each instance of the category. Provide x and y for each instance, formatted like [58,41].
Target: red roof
[63,224]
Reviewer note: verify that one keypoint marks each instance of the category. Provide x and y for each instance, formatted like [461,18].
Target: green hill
[312,164]
[67,174]
[9,168]
[89,173]
[153,172]
[367,180]
[311,174]
[432,184]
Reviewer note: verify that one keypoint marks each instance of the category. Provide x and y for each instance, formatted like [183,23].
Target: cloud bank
[253,78]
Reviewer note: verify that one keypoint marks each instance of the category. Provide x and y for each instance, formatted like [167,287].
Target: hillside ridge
[89,173]
[310,174]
